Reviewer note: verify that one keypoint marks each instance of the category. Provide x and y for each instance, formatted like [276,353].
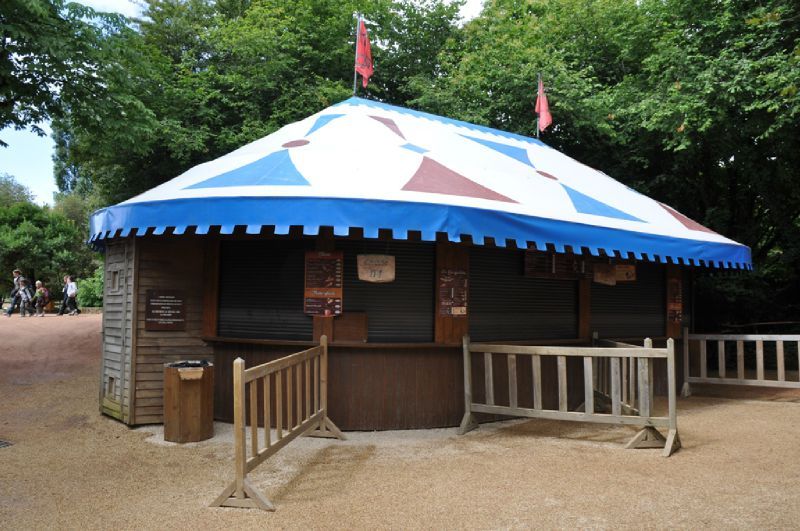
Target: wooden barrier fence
[295,388]
[740,375]
[638,387]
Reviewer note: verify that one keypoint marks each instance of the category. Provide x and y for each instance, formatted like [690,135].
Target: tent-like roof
[368,165]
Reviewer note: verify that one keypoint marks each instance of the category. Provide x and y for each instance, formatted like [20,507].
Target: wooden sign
[556,266]
[625,272]
[323,285]
[453,284]
[674,300]
[605,274]
[378,268]
[165,309]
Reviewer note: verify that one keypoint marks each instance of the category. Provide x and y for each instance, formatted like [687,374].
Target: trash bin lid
[190,363]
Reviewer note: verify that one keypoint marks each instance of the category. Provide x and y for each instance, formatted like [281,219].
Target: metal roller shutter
[504,304]
[631,309]
[261,290]
[399,311]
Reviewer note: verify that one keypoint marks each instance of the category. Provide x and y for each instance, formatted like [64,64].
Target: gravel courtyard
[70,468]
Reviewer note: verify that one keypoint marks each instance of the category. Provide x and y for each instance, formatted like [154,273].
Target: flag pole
[538,84]
[355,61]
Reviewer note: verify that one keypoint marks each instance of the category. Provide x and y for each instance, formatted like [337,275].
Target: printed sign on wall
[378,268]
[453,285]
[323,287]
[165,309]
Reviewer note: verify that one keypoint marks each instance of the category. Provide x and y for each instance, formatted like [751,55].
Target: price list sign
[453,292]
[324,280]
[165,309]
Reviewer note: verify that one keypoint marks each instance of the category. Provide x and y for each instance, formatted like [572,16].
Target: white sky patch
[129,8]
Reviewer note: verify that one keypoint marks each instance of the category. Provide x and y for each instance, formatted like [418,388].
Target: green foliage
[13,192]
[48,59]
[42,244]
[90,290]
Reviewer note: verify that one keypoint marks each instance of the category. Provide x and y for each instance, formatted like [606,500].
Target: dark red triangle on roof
[388,122]
[686,221]
[434,178]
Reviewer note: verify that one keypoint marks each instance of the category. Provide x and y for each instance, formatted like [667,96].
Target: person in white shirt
[72,293]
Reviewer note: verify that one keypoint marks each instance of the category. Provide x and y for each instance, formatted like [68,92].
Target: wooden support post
[740,359]
[616,387]
[721,357]
[703,360]
[468,422]
[673,441]
[632,383]
[307,371]
[781,361]
[238,426]
[588,386]
[279,405]
[644,387]
[253,417]
[298,394]
[267,413]
[289,395]
[759,360]
[651,388]
[536,369]
[512,380]
[562,383]
[488,376]
[686,390]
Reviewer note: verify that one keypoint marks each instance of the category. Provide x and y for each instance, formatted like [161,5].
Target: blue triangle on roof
[276,169]
[588,205]
[517,153]
[322,121]
[414,147]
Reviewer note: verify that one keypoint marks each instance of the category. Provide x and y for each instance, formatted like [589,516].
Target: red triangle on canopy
[434,178]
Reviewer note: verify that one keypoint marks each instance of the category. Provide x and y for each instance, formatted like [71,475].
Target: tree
[48,58]
[13,192]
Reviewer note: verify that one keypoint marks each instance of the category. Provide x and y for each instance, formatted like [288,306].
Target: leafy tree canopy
[13,192]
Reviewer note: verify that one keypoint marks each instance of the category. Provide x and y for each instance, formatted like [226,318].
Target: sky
[29,157]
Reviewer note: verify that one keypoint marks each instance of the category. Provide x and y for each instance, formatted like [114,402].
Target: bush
[90,290]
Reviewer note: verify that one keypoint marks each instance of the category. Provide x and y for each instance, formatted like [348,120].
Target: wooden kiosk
[394,233]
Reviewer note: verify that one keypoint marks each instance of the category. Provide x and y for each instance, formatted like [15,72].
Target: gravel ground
[71,468]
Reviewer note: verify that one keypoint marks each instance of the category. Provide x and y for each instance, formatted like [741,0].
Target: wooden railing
[746,346]
[639,361]
[295,389]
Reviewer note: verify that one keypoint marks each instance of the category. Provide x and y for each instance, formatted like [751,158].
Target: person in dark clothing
[14,295]
[64,297]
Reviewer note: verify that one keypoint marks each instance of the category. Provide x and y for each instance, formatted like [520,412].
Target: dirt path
[71,468]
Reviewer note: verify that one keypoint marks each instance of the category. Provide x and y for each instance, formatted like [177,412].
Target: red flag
[363,54]
[543,108]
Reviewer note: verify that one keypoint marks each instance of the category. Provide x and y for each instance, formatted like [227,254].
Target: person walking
[25,299]
[72,293]
[40,298]
[64,297]
[14,295]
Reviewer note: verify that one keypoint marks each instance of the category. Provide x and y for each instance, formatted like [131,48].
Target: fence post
[673,439]
[686,390]
[239,401]
[468,423]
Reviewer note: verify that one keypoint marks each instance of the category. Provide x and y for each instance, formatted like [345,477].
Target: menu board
[165,309]
[674,300]
[556,266]
[453,285]
[323,286]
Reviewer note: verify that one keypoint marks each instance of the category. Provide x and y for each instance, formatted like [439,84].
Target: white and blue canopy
[371,166]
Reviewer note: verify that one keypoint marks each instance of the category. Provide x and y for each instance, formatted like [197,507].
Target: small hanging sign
[605,274]
[625,272]
[378,268]
[323,286]
[453,285]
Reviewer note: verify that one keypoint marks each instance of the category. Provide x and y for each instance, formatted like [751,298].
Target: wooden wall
[115,373]
[166,263]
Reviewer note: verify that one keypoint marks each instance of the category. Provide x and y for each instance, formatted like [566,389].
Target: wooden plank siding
[115,372]
[178,264]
